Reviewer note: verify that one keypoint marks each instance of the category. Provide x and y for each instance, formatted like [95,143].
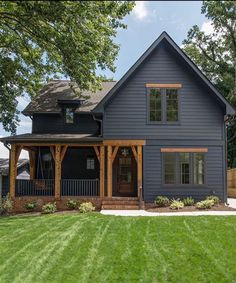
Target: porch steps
[120,203]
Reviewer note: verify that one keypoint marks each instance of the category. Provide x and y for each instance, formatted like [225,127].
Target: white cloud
[207,28]
[140,10]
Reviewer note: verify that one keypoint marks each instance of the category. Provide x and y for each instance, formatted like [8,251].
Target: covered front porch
[83,168]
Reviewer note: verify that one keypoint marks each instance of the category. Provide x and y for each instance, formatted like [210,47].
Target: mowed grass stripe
[98,248]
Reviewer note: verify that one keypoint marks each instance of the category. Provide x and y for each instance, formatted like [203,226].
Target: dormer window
[69,115]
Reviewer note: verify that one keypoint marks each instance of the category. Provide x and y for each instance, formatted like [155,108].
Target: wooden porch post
[13,169]
[102,167]
[57,171]
[109,171]
[140,169]
[32,157]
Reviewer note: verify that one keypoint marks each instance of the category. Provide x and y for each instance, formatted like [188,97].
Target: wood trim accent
[57,171]
[109,171]
[102,171]
[63,152]
[185,149]
[32,158]
[114,153]
[165,85]
[124,142]
[135,153]
[13,170]
[140,169]
[29,148]
[52,152]
[97,152]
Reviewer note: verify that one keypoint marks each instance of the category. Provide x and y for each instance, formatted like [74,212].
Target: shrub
[176,204]
[49,208]
[205,204]
[7,205]
[162,201]
[86,207]
[72,204]
[189,201]
[31,205]
[215,199]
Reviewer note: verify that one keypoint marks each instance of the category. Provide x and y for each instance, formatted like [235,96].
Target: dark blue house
[160,130]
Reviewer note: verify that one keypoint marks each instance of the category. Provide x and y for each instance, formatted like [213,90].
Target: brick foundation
[19,202]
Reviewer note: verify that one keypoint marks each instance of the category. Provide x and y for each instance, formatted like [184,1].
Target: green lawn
[97,248]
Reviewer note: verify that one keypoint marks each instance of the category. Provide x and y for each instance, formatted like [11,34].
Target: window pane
[169,167]
[90,163]
[198,168]
[184,168]
[172,105]
[69,116]
[155,105]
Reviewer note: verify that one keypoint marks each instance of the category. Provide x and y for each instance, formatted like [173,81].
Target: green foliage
[189,201]
[7,205]
[215,199]
[176,204]
[86,207]
[205,204]
[215,54]
[40,40]
[31,205]
[72,204]
[49,208]
[162,201]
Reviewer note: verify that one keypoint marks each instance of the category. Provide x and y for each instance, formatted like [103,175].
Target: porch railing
[80,187]
[34,187]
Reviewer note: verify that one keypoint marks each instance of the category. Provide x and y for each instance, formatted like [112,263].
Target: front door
[125,174]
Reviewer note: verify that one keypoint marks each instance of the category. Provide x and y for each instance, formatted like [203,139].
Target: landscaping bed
[220,207]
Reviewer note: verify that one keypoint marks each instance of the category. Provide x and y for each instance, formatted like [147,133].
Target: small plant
[7,205]
[162,201]
[86,207]
[215,199]
[30,206]
[189,201]
[49,208]
[205,204]
[176,204]
[72,204]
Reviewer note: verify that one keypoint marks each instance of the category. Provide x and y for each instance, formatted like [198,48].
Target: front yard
[96,248]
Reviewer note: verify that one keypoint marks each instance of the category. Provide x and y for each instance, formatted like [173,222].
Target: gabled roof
[47,100]
[4,165]
[164,36]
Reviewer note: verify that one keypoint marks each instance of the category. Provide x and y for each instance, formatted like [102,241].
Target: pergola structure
[105,150]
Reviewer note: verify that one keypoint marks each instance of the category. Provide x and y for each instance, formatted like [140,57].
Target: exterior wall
[200,115]
[214,174]
[73,164]
[54,124]
[201,125]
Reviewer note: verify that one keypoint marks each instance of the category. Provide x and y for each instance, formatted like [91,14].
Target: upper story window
[163,105]
[69,116]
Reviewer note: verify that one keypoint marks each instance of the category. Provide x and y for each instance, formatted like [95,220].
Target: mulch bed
[220,207]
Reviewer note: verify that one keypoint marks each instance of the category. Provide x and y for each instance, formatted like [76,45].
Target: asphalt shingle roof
[47,100]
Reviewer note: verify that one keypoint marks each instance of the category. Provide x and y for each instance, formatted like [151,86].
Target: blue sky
[146,22]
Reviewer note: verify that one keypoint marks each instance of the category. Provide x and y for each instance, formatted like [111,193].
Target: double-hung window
[183,168]
[163,105]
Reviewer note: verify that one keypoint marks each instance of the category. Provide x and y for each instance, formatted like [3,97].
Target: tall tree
[215,54]
[40,40]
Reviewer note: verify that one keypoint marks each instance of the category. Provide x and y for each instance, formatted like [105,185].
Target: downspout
[101,123]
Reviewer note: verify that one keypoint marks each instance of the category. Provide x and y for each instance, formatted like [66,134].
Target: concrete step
[120,202]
